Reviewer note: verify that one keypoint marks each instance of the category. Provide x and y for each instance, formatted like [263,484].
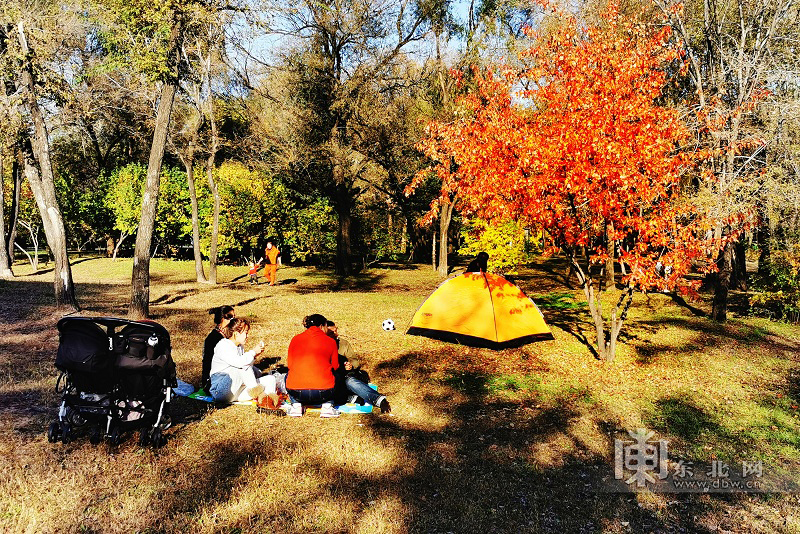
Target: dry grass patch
[511,441]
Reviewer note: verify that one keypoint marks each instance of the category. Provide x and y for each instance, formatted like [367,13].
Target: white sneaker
[296,410]
[328,410]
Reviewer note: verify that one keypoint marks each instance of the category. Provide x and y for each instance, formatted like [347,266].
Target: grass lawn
[520,440]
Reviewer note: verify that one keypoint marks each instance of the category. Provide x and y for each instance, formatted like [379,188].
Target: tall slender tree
[340,50]
[731,47]
[147,36]
[5,261]
[18,34]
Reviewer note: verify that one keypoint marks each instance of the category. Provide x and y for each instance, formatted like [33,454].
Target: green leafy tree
[145,36]
[173,219]
[173,222]
[312,234]
[255,206]
[86,216]
[124,200]
[346,50]
[505,242]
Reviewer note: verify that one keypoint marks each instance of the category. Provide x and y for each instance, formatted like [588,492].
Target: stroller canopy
[105,344]
[480,310]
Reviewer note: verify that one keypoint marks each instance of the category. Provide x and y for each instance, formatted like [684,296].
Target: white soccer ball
[388,324]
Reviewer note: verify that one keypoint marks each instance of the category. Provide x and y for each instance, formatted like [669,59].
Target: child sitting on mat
[351,380]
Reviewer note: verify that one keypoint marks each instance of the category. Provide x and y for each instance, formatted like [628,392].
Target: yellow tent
[480,310]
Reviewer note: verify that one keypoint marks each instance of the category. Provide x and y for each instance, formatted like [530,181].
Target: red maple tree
[577,144]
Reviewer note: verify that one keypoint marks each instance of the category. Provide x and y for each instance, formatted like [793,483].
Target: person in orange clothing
[271,262]
[313,357]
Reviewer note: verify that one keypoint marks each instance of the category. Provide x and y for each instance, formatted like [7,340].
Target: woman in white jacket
[233,375]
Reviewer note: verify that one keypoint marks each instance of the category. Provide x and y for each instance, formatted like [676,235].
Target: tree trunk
[618,315]
[16,173]
[34,261]
[412,238]
[42,184]
[343,244]
[763,248]
[739,275]
[139,307]
[344,232]
[5,262]
[212,155]
[722,280]
[445,215]
[111,246]
[595,309]
[198,257]
[610,245]
[433,250]
[123,234]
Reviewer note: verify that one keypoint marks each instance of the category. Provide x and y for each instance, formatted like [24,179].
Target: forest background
[200,129]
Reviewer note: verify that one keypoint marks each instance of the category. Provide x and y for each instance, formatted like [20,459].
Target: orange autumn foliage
[577,144]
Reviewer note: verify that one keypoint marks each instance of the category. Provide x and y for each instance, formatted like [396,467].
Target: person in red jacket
[313,357]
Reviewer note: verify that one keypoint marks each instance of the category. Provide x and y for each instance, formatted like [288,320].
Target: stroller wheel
[144,437]
[158,438]
[95,435]
[53,432]
[65,433]
[166,422]
[75,418]
[115,437]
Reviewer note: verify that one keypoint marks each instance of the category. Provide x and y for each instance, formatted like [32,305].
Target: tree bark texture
[42,184]
[722,282]
[445,216]
[344,231]
[198,257]
[212,155]
[16,173]
[5,262]
[139,307]
[433,250]
[611,246]
[739,280]
[764,234]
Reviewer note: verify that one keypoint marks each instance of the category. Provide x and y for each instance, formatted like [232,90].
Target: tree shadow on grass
[494,465]
[48,269]
[476,473]
[704,333]
[324,280]
[172,298]
[560,310]
[680,301]
[393,266]
[549,275]
[680,417]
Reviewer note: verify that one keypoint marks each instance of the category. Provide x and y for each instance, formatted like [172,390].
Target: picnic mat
[187,390]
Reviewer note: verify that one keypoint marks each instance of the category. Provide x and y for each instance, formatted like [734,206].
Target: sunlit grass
[479,440]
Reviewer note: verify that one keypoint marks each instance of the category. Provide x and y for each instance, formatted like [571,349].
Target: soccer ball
[388,324]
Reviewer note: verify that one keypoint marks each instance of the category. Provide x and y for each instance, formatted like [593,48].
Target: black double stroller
[116,376]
